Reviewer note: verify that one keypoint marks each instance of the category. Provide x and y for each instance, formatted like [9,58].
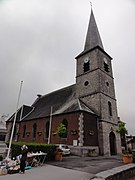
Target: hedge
[34,147]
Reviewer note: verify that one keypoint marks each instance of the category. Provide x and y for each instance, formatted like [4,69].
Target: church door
[112,140]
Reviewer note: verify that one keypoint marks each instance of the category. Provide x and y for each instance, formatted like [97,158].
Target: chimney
[39,95]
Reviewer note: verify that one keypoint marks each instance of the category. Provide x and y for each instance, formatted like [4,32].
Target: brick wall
[72,119]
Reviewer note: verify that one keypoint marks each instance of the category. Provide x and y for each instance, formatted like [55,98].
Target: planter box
[58,157]
[127,159]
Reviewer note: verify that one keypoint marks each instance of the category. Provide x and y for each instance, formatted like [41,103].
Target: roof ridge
[65,106]
[91,110]
[29,112]
[53,92]
[79,104]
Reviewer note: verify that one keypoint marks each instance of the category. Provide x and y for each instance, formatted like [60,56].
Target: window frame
[24,131]
[86,66]
[34,130]
[110,108]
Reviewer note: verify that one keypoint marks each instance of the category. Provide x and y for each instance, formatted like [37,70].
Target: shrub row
[34,147]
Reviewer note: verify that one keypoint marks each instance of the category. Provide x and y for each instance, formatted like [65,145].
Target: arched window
[86,66]
[15,130]
[47,129]
[2,137]
[106,66]
[110,108]
[24,131]
[112,140]
[34,130]
[65,122]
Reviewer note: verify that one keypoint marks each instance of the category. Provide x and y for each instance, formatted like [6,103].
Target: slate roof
[93,38]
[61,101]
[21,113]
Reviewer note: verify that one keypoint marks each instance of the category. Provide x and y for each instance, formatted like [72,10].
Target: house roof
[21,113]
[73,106]
[61,101]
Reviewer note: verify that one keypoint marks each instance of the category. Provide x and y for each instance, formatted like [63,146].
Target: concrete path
[48,172]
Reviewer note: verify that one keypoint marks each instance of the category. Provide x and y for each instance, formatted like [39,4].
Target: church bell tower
[95,87]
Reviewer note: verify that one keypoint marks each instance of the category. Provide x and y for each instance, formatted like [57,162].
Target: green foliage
[34,147]
[61,130]
[127,153]
[121,128]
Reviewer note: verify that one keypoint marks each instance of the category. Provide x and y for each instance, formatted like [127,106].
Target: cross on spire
[93,38]
[91,4]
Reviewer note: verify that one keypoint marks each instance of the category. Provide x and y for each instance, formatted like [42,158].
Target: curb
[118,173]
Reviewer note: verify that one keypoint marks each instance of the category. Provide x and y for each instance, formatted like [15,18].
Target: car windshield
[65,147]
[62,146]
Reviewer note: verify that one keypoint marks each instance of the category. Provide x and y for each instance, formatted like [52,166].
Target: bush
[61,130]
[34,147]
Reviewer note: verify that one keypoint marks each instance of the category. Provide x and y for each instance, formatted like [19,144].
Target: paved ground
[70,168]
[91,165]
[48,172]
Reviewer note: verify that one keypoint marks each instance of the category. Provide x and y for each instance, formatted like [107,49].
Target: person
[23,158]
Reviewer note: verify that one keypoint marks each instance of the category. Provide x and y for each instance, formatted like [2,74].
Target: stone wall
[106,129]
[85,150]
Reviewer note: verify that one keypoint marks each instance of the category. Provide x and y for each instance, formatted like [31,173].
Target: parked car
[65,149]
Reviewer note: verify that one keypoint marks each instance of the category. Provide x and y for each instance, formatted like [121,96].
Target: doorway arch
[112,140]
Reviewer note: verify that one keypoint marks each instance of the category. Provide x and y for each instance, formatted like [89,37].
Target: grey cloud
[40,39]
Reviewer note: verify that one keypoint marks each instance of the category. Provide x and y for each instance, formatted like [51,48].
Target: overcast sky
[39,40]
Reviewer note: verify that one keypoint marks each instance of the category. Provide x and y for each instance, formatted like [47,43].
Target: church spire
[93,37]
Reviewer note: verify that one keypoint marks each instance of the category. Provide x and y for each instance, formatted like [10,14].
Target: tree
[61,130]
[122,131]
[121,128]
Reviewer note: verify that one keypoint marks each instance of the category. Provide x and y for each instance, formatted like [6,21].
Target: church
[88,108]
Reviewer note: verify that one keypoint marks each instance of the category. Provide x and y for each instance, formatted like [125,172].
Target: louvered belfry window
[86,66]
